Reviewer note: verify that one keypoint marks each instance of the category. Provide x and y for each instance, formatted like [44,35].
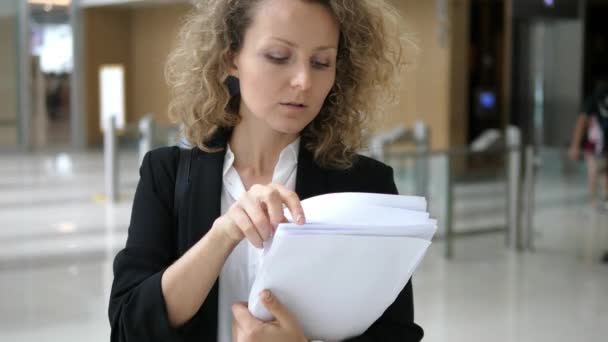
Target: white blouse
[238,273]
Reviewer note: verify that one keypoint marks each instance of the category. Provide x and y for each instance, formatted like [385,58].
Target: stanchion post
[527,237]
[513,200]
[449,222]
[146,130]
[422,140]
[110,160]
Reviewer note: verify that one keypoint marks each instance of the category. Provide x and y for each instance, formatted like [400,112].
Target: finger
[243,318]
[274,206]
[278,310]
[292,201]
[257,215]
[241,219]
[236,330]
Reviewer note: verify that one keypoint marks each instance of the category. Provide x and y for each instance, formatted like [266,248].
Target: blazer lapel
[205,207]
[311,179]
[205,189]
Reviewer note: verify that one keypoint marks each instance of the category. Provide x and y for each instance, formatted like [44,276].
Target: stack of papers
[340,271]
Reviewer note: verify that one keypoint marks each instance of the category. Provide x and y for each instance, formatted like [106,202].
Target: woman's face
[287,64]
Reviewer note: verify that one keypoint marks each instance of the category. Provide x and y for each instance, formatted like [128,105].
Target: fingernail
[266,295]
[300,219]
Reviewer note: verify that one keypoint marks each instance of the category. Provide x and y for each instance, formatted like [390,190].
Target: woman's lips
[294,106]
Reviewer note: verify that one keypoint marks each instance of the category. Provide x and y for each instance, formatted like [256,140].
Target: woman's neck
[257,149]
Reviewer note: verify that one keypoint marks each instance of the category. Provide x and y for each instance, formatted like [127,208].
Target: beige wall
[153,34]
[106,40]
[434,87]
[459,73]
[140,38]
[8,82]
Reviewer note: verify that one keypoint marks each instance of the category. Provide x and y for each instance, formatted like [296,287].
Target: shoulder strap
[182,178]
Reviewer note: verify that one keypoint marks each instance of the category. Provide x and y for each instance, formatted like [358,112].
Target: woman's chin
[288,127]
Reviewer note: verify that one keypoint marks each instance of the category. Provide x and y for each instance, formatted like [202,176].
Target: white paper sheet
[424,230]
[343,207]
[339,272]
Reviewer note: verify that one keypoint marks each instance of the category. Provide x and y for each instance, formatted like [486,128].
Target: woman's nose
[302,78]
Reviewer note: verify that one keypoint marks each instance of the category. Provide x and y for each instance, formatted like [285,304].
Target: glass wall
[51,58]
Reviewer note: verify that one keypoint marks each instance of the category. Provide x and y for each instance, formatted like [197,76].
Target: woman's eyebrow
[292,44]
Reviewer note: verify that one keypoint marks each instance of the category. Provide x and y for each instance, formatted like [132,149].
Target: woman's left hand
[285,328]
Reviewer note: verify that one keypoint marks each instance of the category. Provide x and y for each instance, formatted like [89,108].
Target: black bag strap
[182,178]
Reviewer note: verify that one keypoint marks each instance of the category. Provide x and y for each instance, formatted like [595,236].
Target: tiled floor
[58,238]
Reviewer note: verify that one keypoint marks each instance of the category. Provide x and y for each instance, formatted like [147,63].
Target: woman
[590,134]
[272,94]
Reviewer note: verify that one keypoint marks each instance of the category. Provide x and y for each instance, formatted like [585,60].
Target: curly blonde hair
[370,54]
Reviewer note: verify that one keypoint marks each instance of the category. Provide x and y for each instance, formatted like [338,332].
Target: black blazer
[156,239]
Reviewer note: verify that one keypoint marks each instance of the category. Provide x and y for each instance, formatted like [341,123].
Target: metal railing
[146,132]
[437,174]
[418,171]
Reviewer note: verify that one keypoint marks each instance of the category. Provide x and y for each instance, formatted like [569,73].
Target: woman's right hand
[256,215]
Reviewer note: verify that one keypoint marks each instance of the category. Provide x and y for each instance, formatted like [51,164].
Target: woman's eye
[320,65]
[277,59]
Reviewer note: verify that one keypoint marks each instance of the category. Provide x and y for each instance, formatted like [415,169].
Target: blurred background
[484,128]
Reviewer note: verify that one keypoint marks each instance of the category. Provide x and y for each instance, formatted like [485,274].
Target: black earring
[233,85]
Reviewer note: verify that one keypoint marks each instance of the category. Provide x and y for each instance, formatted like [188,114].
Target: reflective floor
[58,238]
